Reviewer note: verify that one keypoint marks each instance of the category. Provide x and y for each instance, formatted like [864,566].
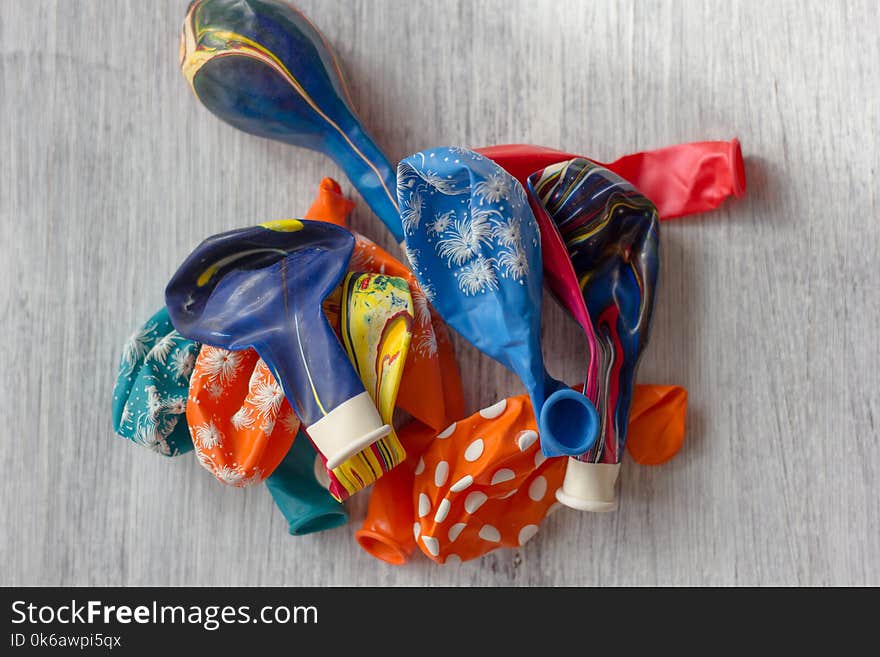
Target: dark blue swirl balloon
[261,66]
[263,287]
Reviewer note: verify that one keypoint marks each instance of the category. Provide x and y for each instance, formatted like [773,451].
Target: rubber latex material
[389,529]
[475,247]
[656,424]
[680,180]
[263,287]
[149,399]
[241,423]
[263,67]
[486,485]
[431,387]
[376,324]
[304,503]
[603,236]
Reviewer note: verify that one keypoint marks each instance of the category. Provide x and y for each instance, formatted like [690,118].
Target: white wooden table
[110,172]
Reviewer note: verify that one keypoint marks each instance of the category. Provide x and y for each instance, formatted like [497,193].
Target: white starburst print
[208,435]
[183,361]
[412,256]
[519,195]
[154,402]
[443,185]
[507,232]
[290,422]
[242,419]
[493,189]
[421,310]
[148,436]
[408,177]
[161,446]
[514,263]
[231,475]
[411,214]
[205,460]
[136,346]
[477,276]
[465,238]
[268,425]
[363,255]
[266,396]
[234,475]
[461,150]
[167,425]
[219,364]
[163,347]
[425,343]
[441,222]
[175,405]
[126,416]
[215,390]
[428,290]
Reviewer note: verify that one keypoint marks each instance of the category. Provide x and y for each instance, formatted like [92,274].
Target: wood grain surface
[110,173]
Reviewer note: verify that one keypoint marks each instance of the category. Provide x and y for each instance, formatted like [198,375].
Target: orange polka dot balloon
[484,483]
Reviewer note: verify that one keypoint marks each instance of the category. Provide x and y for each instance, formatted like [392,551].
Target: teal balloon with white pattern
[149,400]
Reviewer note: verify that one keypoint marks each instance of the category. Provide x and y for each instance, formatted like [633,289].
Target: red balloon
[679,180]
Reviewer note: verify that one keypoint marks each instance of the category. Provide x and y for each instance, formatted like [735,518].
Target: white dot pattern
[442,511]
[462,484]
[538,488]
[432,544]
[474,501]
[424,505]
[502,475]
[494,410]
[490,533]
[527,533]
[441,473]
[474,451]
[447,431]
[526,439]
[455,531]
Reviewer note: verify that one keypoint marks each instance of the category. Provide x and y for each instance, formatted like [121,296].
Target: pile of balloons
[285,348]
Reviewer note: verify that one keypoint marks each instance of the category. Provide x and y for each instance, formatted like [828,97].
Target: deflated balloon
[475,247]
[610,232]
[376,325]
[430,390]
[263,287]
[241,424]
[444,495]
[680,180]
[149,400]
[263,67]
[304,502]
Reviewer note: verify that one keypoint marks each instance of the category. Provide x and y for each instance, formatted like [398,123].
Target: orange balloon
[431,387]
[241,424]
[387,532]
[496,487]
[656,423]
[330,205]
[484,483]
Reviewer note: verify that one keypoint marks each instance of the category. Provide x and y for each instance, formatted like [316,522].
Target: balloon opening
[569,423]
[380,546]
